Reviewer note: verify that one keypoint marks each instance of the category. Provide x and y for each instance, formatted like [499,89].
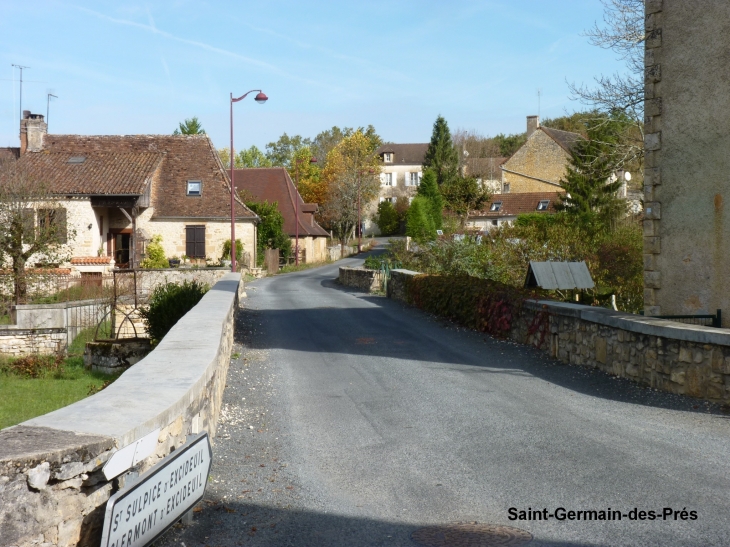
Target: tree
[281,153]
[387,218]
[190,127]
[589,182]
[509,144]
[623,33]
[429,189]
[441,155]
[351,176]
[325,141]
[270,233]
[155,254]
[420,226]
[32,224]
[463,195]
[311,187]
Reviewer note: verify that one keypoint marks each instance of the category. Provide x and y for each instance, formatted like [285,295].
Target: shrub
[420,224]
[387,218]
[168,304]
[155,254]
[226,254]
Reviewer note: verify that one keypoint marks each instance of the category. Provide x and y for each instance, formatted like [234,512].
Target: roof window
[496,206]
[543,205]
[76,159]
[388,157]
[195,188]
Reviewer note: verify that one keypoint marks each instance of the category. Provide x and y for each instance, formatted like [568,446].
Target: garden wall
[52,489]
[367,280]
[674,357]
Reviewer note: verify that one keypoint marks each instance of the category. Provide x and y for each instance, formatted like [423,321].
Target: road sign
[129,456]
[139,514]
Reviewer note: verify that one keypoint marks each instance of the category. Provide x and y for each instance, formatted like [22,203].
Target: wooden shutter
[195,241]
[407,178]
[394,179]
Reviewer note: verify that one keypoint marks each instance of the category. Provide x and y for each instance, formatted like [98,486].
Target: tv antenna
[539,92]
[21,67]
[48,106]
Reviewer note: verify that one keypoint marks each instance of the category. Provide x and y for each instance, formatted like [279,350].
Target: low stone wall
[675,357]
[52,489]
[115,356]
[367,280]
[147,280]
[16,342]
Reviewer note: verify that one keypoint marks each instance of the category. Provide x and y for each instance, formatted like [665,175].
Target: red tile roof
[274,185]
[125,163]
[517,204]
[89,260]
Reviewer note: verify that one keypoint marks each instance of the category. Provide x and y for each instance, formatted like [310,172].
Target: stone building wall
[52,489]
[687,136]
[537,166]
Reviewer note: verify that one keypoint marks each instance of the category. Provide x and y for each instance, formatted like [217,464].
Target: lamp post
[261,99]
[296,206]
[359,222]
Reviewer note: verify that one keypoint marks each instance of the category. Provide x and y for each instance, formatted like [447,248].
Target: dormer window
[543,205]
[496,206]
[388,157]
[76,159]
[195,188]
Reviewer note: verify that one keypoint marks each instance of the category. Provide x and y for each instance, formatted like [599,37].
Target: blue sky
[142,67]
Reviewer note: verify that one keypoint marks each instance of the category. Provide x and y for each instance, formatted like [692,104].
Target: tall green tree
[281,152]
[509,144]
[463,195]
[387,218]
[419,224]
[190,127]
[429,189]
[441,155]
[589,182]
[251,157]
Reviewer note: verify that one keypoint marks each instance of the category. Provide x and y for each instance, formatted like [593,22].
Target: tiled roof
[90,260]
[180,158]
[9,154]
[565,139]
[405,154]
[102,172]
[273,184]
[517,204]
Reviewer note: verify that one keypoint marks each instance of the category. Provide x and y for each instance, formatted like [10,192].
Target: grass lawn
[23,398]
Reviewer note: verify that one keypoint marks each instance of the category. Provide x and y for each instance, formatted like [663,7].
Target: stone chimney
[32,131]
[533,122]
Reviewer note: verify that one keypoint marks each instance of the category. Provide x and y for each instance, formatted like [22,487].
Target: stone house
[504,208]
[686,162]
[401,175]
[540,163]
[274,185]
[118,191]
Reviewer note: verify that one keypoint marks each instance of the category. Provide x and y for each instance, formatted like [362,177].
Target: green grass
[293,268]
[23,398]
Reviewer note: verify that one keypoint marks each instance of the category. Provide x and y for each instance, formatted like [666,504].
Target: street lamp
[296,206]
[359,222]
[261,99]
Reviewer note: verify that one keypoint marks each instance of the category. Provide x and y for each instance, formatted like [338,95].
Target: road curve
[350,419]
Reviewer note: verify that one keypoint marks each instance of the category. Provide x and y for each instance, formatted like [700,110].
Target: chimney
[533,122]
[32,131]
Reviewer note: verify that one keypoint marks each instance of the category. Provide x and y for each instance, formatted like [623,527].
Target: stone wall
[367,280]
[675,357]
[537,166]
[687,135]
[52,489]
[16,342]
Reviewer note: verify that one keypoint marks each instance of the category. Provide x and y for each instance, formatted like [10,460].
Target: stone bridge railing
[52,489]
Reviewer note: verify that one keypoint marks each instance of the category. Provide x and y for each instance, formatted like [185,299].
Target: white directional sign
[129,456]
[138,515]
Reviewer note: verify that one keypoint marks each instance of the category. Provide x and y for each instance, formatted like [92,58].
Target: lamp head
[261,98]
[312,160]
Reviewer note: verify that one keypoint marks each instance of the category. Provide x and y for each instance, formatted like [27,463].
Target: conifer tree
[429,189]
[441,155]
[419,224]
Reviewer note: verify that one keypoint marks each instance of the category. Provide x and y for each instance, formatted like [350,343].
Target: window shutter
[420,176]
[190,241]
[382,179]
[394,180]
[200,241]
[407,177]
[59,217]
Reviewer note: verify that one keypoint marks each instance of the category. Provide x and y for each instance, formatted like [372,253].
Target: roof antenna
[48,106]
[21,87]
[539,91]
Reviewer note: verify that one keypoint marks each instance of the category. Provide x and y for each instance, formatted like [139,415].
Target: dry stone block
[678,377]
[39,476]
[69,533]
[685,355]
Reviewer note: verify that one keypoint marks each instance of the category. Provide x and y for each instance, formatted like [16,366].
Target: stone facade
[16,342]
[537,166]
[52,489]
[686,234]
[674,357]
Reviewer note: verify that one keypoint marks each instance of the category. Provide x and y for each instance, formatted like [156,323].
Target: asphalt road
[353,420]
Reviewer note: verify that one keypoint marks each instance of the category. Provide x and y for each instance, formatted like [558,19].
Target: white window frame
[540,205]
[194,193]
[388,179]
[495,207]
[388,157]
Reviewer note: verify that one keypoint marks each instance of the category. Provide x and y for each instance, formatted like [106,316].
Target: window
[505,190]
[495,223]
[388,157]
[195,241]
[52,223]
[195,187]
[76,159]
[415,178]
[388,179]
[496,206]
[543,205]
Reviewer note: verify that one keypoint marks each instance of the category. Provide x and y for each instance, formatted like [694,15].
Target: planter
[174,262]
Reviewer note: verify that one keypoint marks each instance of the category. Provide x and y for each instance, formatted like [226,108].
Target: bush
[155,254]
[420,224]
[226,255]
[270,233]
[168,304]
[387,218]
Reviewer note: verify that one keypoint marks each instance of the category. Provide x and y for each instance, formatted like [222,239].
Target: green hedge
[168,304]
[481,304]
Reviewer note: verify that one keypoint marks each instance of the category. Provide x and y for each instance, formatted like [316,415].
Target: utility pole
[48,106]
[21,87]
